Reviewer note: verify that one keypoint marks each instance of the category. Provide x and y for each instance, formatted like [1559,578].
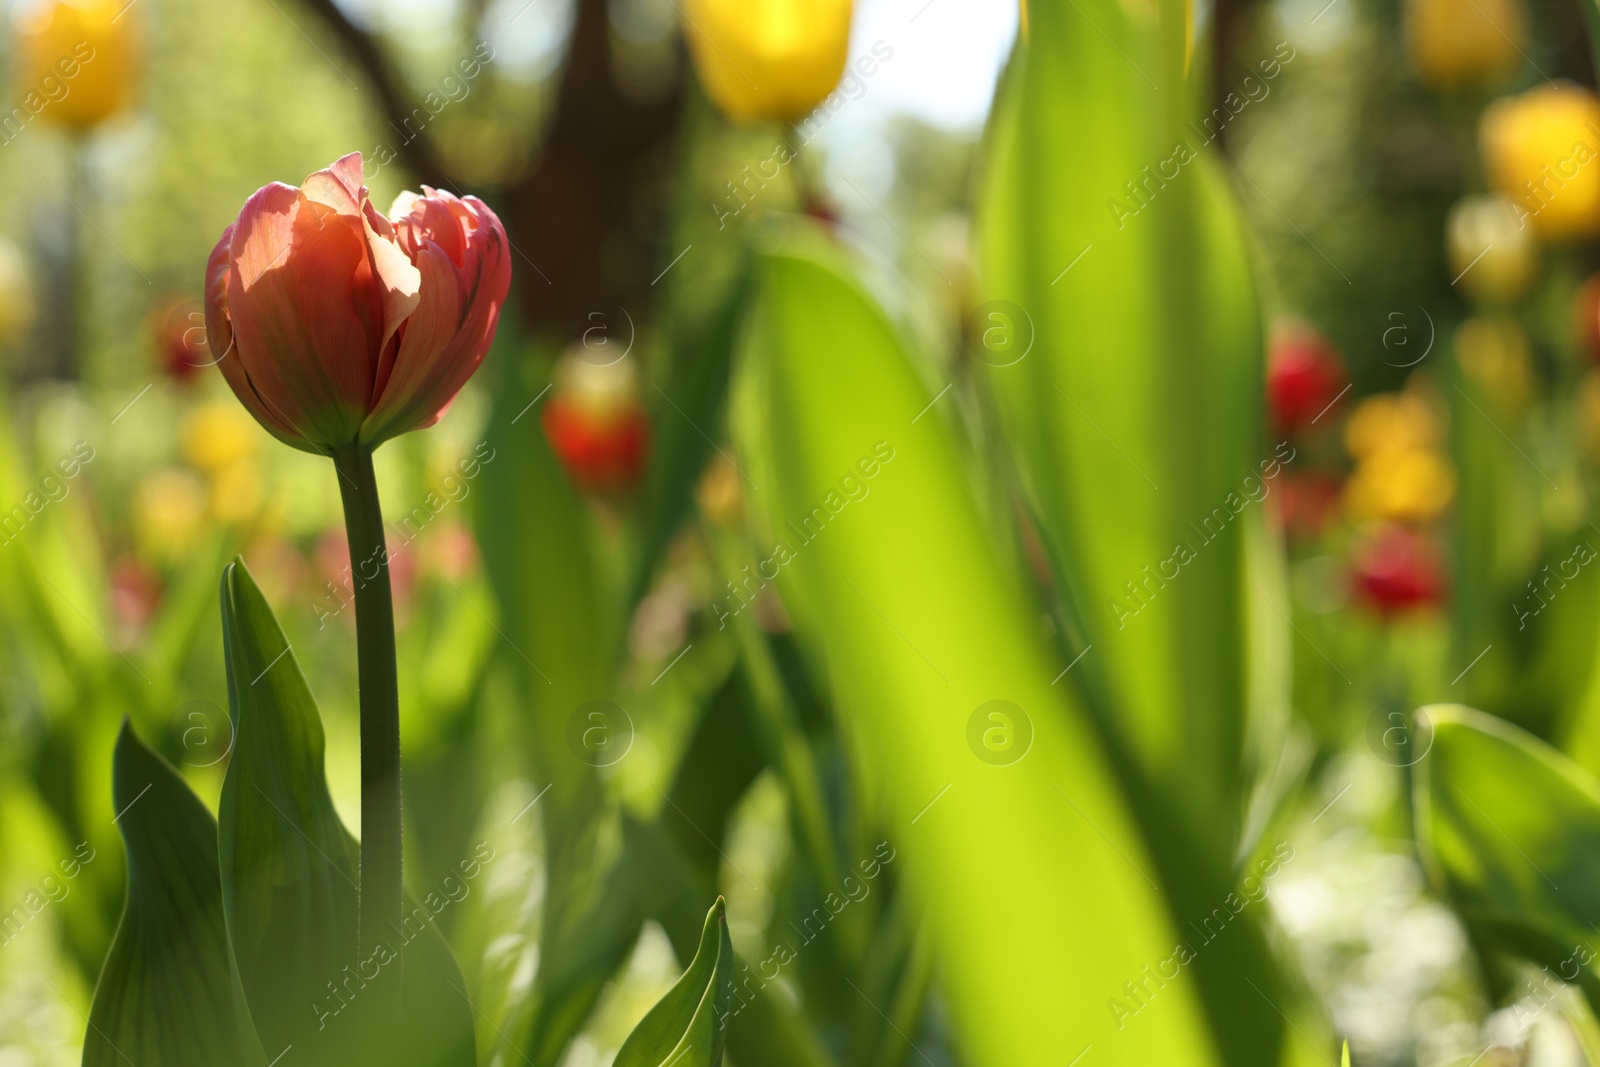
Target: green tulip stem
[382,891]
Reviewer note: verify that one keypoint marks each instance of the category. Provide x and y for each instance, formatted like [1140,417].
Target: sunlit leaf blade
[1510,829]
[1042,906]
[1134,416]
[290,875]
[166,995]
[685,1028]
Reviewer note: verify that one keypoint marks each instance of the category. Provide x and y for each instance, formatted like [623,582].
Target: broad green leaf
[1510,829]
[290,874]
[685,1029]
[1121,340]
[1119,297]
[167,995]
[1041,899]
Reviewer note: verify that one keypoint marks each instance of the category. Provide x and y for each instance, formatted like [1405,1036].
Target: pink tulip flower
[337,326]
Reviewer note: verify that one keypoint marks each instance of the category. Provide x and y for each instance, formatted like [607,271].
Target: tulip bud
[1540,149]
[1493,256]
[596,425]
[1459,43]
[772,59]
[75,60]
[1305,374]
[1395,570]
[336,326]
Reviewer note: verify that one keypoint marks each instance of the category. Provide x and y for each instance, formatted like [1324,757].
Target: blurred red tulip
[1395,570]
[337,326]
[596,424]
[1305,374]
[602,452]
[1586,318]
[177,327]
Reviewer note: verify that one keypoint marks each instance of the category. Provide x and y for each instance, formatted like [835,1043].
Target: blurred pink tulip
[336,326]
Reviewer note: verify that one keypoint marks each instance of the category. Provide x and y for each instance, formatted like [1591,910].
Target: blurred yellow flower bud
[218,435]
[1409,485]
[235,493]
[16,293]
[1459,43]
[1493,255]
[1542,149]
[75,60]
[719,494]
[168,509]
[1494,354]
[1392,421]
[772,59]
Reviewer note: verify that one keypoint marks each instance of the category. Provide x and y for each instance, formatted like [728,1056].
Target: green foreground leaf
[1042,904]
[166,995]
[686,1028]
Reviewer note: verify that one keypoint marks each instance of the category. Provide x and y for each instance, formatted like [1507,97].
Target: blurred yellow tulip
[218,435]
[1459,43]
[16,293]
[1540,149]
[168,509]
[772,59]
[1409,485]
[1493,256]
[1589,412]
[235,493]
[1392,421]
[74,60]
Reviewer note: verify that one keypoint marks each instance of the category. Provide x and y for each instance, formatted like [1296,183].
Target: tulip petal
[219,335]
[338,186]
[306,314]
[446,338]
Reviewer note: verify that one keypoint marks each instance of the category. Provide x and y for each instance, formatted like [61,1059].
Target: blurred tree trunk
[586,216]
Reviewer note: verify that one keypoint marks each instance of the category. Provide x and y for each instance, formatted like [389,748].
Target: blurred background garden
[574,547]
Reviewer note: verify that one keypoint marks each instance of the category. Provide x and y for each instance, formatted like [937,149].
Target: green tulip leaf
[686,1027]
[290,879]
[1009,826]
[167,993]
[1509,828]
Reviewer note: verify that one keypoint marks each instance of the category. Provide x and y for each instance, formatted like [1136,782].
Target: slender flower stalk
[338,328]
[382,897]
